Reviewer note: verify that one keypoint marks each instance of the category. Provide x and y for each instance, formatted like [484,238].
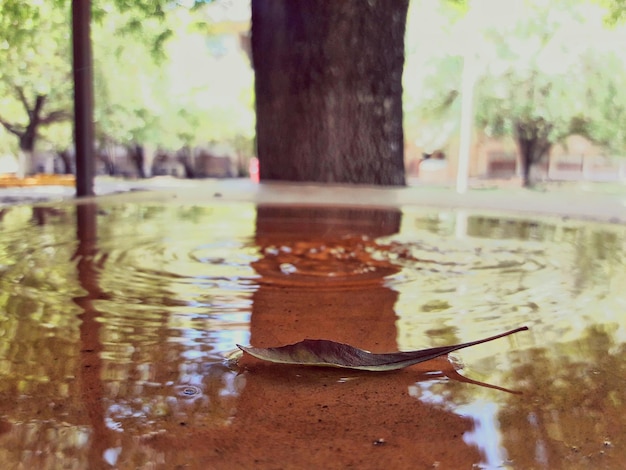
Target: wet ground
[118,319]
[604,202]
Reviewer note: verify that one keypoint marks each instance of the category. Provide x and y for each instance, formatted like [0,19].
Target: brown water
[117,321]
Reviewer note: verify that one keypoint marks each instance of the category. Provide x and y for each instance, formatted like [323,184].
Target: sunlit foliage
[164,75]
[542,71]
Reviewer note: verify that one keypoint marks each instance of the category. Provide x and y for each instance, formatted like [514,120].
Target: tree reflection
[90,373]
[132,372]
[38,354]
[322,277]
[573,413]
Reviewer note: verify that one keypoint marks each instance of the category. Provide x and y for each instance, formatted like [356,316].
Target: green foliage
[17,18]
[156,79]
[36,68]
[604,123]
[550,66]
[187,97]
[431,73]
[537,75]
[616,11]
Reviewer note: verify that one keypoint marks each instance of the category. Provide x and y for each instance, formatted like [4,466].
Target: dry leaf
[325,353]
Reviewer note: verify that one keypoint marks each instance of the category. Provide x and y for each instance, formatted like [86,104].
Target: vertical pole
[83,97]
[468,81]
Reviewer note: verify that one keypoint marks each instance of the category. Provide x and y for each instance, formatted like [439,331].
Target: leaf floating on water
[325,353]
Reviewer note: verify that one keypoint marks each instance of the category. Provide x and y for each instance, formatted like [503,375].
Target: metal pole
[83,97]
[468,81]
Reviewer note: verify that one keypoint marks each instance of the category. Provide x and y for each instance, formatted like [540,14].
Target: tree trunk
[109,166]
[329,90]
[24,163]
[28,137]
[185,157]
[66,158]
[533,143]
[137,156]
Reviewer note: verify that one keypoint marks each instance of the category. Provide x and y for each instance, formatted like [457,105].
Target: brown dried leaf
[325,353]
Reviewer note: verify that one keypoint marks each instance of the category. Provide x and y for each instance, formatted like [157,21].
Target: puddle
[117,322]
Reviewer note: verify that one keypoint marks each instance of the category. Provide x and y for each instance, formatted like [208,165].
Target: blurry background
[174,89]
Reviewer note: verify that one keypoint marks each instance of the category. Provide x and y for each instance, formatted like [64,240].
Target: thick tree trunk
[533,143]
[24,163]
[66,158]
[137,155]
[329,89]
[185,157]
[28,137]
[105,155]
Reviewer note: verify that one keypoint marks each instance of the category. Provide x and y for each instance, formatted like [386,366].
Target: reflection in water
[332,252]
[114,338]
[576,402]
[90,372]
[94,365]
[486,433]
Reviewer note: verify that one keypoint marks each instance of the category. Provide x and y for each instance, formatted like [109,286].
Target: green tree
[542,84]
[182,97]
[616,11]
[543,71]
[156,81]
[35,82]
[432,75]
[604,122]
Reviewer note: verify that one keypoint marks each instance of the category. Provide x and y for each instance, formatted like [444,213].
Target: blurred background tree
[616,11]
[35,78]
[543,71]
[174,75]
[166,75]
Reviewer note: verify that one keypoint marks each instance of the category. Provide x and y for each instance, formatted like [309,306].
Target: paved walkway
[592,201]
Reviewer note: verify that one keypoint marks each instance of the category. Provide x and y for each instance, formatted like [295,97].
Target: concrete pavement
[604,202]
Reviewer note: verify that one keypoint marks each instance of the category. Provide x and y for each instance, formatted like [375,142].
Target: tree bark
[137,156]
[66,158]
[185,157]
[328,82]
[533,143]
[107,160]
